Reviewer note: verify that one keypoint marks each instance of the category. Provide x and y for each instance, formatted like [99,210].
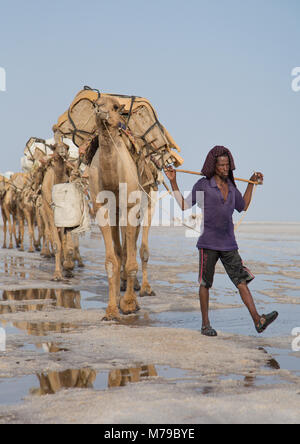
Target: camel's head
[61,150]
[108,111]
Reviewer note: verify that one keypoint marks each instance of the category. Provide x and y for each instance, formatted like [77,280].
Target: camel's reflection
[53,382]
[38,300]
[65,298]
[120,378]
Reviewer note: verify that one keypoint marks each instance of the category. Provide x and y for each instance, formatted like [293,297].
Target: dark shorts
[233,265]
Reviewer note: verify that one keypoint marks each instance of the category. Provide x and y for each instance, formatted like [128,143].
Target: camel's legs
[21,231]
[4,227]
[123,282]
[57,245]
[77,256]
[16,223]
[137,286]
[146,289]
[11,229]
[47,234]
[118,253]
[112,266]
[68,252]
[128,303]
[41,230]
[29,220]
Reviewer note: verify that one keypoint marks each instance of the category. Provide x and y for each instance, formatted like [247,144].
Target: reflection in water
[65,298]
[53,382]
[60,298]
[120,378]
[255,380]
[15,267]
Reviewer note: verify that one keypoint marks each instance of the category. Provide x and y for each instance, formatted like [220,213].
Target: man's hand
[170,173]
[257,177]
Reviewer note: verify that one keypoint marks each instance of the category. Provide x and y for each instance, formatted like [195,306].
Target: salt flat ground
[63,364]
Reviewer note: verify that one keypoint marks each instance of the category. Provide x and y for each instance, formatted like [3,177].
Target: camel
[28,204]
[12,211]
[3,190]
[112,165]
[65,248]
[134,150]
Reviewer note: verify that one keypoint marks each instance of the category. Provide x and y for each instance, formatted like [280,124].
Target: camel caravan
[106,149]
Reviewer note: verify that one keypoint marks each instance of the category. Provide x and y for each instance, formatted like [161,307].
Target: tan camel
[112,165]
[65,248]
[3,189]
[136,147]
[28,204]
[12,210]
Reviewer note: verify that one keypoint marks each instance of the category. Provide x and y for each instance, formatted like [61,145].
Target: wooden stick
[201,174]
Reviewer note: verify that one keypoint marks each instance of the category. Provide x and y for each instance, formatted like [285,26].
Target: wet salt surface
[275,255]
[14,390]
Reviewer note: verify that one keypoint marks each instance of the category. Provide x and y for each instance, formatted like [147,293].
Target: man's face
[222,167]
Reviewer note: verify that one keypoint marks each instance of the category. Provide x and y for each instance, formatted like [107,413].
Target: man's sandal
[265,321]
[208,331]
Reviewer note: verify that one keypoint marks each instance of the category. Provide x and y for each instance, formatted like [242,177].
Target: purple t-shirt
[218,231]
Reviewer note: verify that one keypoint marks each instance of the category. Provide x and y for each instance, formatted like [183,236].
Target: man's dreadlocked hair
[210,163]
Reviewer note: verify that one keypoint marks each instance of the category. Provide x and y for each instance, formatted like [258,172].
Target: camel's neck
[108,143]
[111,158]
[59,168]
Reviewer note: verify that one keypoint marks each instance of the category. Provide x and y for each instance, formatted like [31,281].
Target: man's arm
[171,175]
[256,177]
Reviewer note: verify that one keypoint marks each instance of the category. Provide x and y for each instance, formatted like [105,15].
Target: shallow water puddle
[38,330]
[256,380]
[14,390]
[63,298]
[286,360]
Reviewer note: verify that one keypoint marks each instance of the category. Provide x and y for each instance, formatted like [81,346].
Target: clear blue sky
[217,71]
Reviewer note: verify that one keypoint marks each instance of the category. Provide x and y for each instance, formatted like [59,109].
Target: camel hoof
[81,265]
[31,250]
[4,246]
[57,278]
[46,255]
[111,318]
[129,308]
[69,274]
[145,293]
[112,315]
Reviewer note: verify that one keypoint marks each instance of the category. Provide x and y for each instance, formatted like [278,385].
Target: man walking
[221,198]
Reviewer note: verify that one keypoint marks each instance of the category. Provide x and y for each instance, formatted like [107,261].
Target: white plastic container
[67,203]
